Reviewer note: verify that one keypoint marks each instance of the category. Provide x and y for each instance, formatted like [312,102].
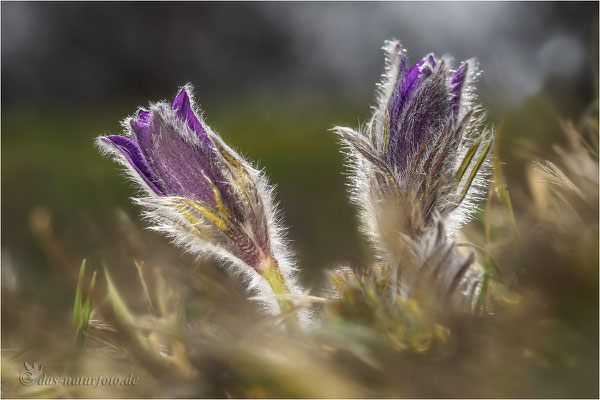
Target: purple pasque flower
[203,194]
[419,167]
[424,148]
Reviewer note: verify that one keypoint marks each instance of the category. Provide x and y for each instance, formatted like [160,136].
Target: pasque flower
[419,164]
[204,195]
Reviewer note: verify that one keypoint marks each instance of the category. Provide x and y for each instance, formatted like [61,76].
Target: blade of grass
[483,292]
[491,276]
[87,308]
[121,310]
[139,267]
[77,304]
[135,342]
[502,190]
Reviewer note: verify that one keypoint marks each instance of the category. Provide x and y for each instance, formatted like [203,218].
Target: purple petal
[414,78]
[180,165]
[134,156]
[397,98]
[141,125]
[425,111]
[402,70]
[457,83]
[144,116]
[431,60]
[402,94]
[414,72]
[183,108]
[184,168]
[460,75]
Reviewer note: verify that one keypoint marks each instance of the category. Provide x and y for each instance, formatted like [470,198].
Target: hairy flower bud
[203,194]
[421,159]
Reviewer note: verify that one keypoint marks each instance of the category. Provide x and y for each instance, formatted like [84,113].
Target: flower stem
[272,273]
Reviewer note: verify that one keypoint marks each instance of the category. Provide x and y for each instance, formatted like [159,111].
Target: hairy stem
[272,273]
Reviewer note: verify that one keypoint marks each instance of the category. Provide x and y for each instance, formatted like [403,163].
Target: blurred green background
[272,79]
